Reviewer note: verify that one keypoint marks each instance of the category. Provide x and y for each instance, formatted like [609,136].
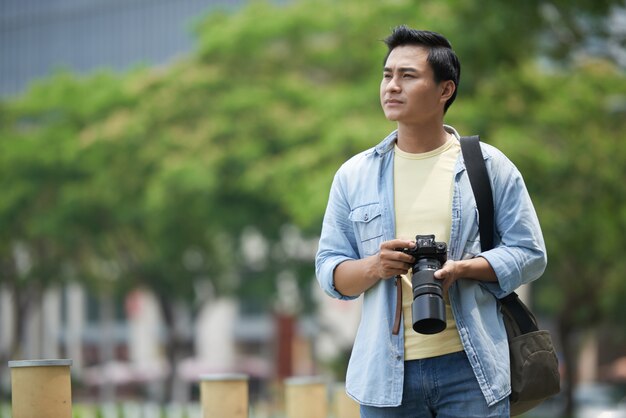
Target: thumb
[440,274]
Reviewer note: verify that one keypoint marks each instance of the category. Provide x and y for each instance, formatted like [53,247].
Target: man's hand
[390,261]
[477,268]
[353,277]
[448,273]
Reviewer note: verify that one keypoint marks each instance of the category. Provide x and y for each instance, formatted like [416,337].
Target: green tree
[40,172]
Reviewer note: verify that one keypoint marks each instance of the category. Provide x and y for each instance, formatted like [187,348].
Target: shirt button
[398,357]
[366,217]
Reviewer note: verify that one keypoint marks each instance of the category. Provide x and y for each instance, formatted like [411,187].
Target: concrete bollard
[306,397]
[344,406]
[41,388]
[224,395]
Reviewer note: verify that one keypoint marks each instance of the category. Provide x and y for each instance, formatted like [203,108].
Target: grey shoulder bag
[534,365]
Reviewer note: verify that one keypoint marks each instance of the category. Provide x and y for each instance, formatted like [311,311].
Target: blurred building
[38,37]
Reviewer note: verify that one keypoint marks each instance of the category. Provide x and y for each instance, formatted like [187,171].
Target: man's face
[408,91]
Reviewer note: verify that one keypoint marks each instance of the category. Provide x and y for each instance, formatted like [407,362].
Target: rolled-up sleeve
[337,241]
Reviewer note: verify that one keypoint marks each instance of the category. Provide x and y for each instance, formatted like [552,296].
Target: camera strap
[398,314]
[481,186]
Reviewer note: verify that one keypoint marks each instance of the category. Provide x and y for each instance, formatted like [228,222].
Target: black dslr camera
[429,308]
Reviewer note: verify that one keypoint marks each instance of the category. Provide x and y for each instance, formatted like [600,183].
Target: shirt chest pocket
[368,228]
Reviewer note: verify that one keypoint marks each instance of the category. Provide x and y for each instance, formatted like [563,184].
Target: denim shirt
[360,216]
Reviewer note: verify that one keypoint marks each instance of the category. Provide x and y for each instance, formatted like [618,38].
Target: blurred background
[165,165]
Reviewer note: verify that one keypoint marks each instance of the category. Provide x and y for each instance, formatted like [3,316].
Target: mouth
[392,102]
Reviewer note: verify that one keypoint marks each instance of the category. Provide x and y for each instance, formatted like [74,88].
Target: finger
[396,255]
[441,274]
[396,268]
[446,271]
[398,265]
[395,244]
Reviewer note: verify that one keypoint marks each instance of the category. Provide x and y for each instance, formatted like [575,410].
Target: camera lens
[429,313]
[428,308]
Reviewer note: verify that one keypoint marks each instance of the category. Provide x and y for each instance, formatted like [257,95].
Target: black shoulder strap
[479,179]
[481,186]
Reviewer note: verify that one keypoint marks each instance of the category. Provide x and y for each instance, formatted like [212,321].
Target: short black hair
[441,57]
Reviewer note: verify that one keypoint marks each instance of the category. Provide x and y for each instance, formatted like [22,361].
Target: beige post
[224,395]
[41,388]
[344,406]
[306,397]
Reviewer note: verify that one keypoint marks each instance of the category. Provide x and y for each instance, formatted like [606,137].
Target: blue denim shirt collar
[387,144]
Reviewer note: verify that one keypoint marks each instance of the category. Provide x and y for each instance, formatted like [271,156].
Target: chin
[392,117]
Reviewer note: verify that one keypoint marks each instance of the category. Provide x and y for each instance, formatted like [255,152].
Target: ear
[447,89]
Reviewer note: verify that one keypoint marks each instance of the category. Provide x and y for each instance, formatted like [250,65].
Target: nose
[393,85]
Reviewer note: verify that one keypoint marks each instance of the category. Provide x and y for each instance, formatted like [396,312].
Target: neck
[417,139]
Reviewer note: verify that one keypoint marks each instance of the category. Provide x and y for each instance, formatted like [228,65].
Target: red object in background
[133,303]
[285,332]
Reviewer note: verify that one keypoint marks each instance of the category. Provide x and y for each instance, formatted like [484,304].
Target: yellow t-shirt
[423,188]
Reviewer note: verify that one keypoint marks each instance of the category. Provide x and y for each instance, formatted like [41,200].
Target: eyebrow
[402,70]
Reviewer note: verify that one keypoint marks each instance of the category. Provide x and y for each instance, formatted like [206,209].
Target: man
[414,183]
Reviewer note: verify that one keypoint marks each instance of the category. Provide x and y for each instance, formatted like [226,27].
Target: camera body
[428,307]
